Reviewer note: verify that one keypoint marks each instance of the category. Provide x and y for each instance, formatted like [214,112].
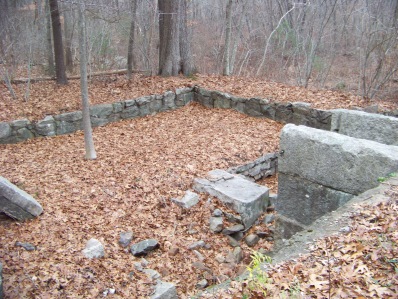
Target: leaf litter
[141,164]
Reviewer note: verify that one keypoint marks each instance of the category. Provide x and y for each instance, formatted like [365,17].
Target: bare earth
[141,164]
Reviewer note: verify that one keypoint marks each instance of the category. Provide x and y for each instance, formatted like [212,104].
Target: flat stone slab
[359,124]
[165,290]
[16,203]
[244,197]
[334,160]
[188,201]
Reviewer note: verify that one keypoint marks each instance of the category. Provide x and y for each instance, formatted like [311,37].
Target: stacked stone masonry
[297,113]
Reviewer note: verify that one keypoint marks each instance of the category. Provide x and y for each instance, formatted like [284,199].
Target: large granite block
[16,203]
[306,201]
[359,124]
[333,160]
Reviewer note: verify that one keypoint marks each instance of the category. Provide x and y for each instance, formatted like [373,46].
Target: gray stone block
[143,105]
[69,122]
[286,227]
[46,127]
[244,197]
[238,104]
[183,96]
[305,201]
[203,96]
[16,203]
[101,111]
[221,100]
[359,124]
[155,104]
[253,107]
[5,130]
[336,161]
[20,124]
[165,290]
[130,112]
[169,101]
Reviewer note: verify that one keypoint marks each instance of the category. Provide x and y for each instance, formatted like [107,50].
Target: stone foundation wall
[262,167]
[20,130]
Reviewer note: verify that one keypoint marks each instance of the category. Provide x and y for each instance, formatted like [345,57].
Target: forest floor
[142,164]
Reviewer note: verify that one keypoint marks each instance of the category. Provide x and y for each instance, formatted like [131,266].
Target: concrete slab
[16,203]
[244,197]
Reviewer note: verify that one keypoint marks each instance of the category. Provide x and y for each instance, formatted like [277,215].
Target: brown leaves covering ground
[47,98]
[360,264]
[141,164]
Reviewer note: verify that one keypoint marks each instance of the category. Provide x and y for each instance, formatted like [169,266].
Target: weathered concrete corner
[244,197]
[16,203]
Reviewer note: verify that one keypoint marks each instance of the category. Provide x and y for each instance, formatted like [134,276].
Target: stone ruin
[326,157]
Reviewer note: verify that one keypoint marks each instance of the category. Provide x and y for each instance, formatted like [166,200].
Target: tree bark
[58,45]
[88,134]
[50,53]
[69,24]
[185,41]
[169,56]
[131,39]
[227,45]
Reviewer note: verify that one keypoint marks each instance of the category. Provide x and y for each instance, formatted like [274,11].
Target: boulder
[252,240]
[16,203]
[5,130]
[46,127]
[244,197]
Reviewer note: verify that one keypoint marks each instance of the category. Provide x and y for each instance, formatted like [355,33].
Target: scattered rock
[252,240]
[198,244]
[144,247]
[202,284]
[26,246]
[233,218]
[217,213]
[201,266]
[165,290]
[232,241]
[199,255]
[174,250]
[152,274]
[238,255]
[138,266]
[216,224]
[125,238]
[238,236]
[220,258]
[233,229]
[94,249]
[188,201]
[269,218]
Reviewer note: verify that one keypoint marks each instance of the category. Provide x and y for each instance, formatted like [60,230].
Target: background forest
[339,44]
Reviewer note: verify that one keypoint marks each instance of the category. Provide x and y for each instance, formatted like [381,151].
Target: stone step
[246,198]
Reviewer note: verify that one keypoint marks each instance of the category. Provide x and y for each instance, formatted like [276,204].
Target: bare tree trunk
[69,24]
[169,49]
[185,41]
[227,45]
[88,134]
[50,53]
[58,45]
[131,39]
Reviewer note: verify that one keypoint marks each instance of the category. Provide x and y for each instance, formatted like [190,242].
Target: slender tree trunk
[228,32]
[69,24]
[50,53]
[185,41]
[131,39]
[88,134]
[58,45]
